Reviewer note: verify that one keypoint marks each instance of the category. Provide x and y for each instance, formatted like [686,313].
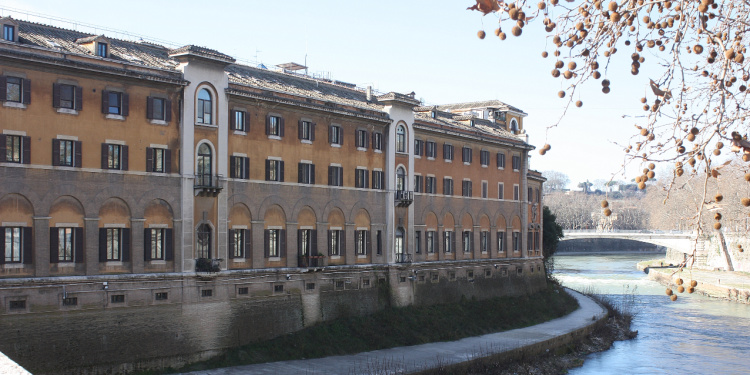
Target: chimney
[369,93]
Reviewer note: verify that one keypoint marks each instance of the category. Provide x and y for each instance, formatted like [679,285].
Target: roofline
[489,138]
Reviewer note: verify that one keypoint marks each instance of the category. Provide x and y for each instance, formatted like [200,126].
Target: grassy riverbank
[404,326]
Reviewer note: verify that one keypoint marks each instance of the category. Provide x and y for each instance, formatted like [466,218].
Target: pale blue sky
[429,47]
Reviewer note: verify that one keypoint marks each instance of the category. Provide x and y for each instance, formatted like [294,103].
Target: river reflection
[694,335]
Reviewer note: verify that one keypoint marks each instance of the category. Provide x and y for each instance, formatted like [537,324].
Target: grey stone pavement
[409,359]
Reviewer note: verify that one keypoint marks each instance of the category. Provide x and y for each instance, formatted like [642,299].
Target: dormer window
[433,114]
[513,126]
[102,49]
[499,116]
[471,123]
[9,33]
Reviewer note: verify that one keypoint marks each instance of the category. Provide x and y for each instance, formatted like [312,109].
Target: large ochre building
[135,175]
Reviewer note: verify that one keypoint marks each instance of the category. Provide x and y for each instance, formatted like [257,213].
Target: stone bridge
[681,241]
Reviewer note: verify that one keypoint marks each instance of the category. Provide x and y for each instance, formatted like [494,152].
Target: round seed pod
[673,297]
[579,103]
[545,54]
[717,216]
[719,145]
[568,74]
[651,174]
[555,73]
[691,137]
[698,49]
[719,197]
[642,185]
[644,132]
[605,83]
[572,65]
[605,90]
[717,152]
[745,202]
[561,94]
[516,31]
[669,292]
[679,172]
[679,281]
[651,166]
[747,176]
[596,74]
[717,226]
[612,6]
[481,34]
[694,131]
[615,17]
[746,157]
[681,289]
[541,5]
[693,283]
[547,146]
[607,212]
[643,100]
[691,290]
[681,149]
[502,36]
[605,204]
[559,64]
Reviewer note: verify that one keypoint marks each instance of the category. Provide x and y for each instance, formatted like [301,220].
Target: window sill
[430,158]
[336,145]
[210,126]
[67,111]
[484,165]
[306,141]
[275,137]
[361,256]
[467,163]
[274,259]
[501,168]
[448,160]
[14,105]
[402,153]
[361,149]
[115,117]
[238,260]
[378,151]
[13,265]
[113,263]
[158,122]
[66,264]
[335,257]
[157,262]
[239,132]
[516,170]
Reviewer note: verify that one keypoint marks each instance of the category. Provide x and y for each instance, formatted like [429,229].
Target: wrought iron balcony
[311,261]
[403,258]
[404,198]
[207,185]
[208,265]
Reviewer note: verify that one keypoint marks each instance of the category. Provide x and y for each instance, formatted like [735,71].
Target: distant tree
[556,181]
[552,233]
[585,186]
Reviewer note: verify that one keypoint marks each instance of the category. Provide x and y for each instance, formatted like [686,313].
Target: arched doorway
[203,165]
[399,246]
[400,179]
[203,241]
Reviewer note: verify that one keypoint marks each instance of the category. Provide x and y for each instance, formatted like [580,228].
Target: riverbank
[727,285]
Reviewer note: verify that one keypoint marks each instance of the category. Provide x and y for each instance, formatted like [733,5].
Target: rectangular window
[484,158]
[377,141]
[239,167]
[529,195]
[447,186]
[9,33]
[466,188]
[529,241]
[501,242]
[101,49]
[306,173]
[237,244]
[161,296]
[417,242]
[335,135]
[361,178]
[361,140]
[466,155]
[501,160]
[14,148]
[379,239]
[418,147]
[335,237]
[14,90]
[484,189]
[158,160]
[335,176]
[448,240]
[207,292]
[113,244]
[418,183]
[114,156]
[243,290]
[275,170]
[305,242]
[158,238]
[158,109]
[430,241]
[430,185]
[448,152]
[516,162]
[13,244]
[274,126]
[117,298]
[70,301]
[65,242]
[112,102]
[468,239]
[238,120]
[516,241]
[500,191]
[361,240]
[306,131]
[431,149]
[65,152]
[377,180]
[484,241]
[17,305]
[516,193]
[536,241]
[67,96]
[273,243]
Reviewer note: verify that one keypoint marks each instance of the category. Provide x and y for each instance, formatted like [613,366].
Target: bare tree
[698,102]
[556,181]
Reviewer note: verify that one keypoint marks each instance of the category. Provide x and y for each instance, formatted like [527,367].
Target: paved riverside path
[408,359]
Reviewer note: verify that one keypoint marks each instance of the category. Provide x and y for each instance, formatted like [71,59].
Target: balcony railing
[207,265]
[311,261]
[403,258]
[207,185]
[404,198]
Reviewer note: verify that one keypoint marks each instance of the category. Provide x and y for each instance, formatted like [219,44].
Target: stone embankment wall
[705,287]
[119,324]
[710,255]
[598,245]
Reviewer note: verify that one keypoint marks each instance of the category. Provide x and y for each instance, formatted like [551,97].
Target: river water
[694,335]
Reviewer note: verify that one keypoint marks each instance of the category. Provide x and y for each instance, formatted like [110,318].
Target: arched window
[203,165]
[400,179]
[205,107]
[513,125]
[203,241]
[399,241]
[400,139]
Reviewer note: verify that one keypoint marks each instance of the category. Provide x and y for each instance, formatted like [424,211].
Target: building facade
[134,175]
